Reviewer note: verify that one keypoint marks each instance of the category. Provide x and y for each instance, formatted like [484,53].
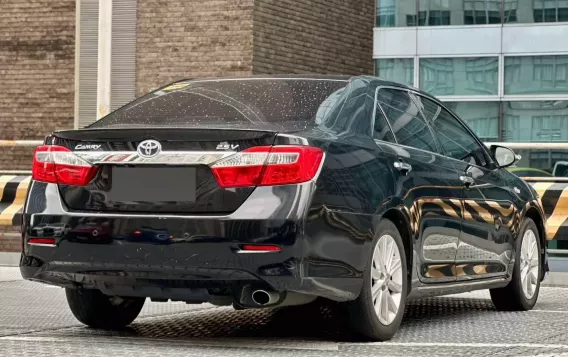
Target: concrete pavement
[35,320]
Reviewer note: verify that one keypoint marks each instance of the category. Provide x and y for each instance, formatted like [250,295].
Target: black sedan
[268,192]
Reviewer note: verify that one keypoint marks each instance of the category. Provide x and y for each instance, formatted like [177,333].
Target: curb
[556,279]
[9,259]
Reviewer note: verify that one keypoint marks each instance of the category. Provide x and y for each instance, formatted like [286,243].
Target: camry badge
[149,148]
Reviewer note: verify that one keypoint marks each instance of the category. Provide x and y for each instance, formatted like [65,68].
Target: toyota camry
[266,192]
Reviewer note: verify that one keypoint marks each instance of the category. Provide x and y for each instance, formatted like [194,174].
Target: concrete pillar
[104,58]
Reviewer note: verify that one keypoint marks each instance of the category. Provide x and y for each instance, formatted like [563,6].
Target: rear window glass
[229,102]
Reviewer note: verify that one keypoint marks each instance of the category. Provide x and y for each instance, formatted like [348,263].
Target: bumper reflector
[41,241]
[254,248]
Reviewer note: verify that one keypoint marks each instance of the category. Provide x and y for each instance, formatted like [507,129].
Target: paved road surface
[35,321]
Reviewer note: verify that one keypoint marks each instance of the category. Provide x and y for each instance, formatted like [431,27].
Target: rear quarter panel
[355,187]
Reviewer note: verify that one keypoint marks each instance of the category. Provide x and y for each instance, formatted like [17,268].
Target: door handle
[467,181]
[402,166]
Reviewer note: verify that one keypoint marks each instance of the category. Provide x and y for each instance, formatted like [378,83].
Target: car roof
[375,80]
[273,76]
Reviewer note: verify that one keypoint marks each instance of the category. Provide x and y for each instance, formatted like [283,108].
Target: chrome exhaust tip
[262,297]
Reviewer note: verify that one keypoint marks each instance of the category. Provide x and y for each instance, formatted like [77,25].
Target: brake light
[58,164]
[268,166]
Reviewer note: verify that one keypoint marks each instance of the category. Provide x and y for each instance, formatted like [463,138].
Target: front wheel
[377,313]
[522,292]
[97,310]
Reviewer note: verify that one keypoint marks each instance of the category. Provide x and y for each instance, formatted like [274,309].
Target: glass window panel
[535,121]
[405,120]
[529,11]
[541,163]
[399,70]
[455,139]
[480,12]
[481,117]
[459,76]
[510,9]
[382,130]
[440,13]
[393,13]
[536,75]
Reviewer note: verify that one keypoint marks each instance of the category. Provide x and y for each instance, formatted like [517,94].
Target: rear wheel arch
[402,224]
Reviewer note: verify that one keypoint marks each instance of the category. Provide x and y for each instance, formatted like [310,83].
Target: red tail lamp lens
[269,166]
[58,164]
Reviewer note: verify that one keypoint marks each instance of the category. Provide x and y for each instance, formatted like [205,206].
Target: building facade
[502,65]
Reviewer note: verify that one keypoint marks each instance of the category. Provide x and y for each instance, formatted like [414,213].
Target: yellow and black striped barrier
[13,191]
[554,197]
[553,194]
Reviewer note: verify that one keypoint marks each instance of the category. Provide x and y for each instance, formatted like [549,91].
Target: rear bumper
[184,257]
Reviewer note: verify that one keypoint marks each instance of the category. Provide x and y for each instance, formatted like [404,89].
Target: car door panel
[427,187]
[486,243]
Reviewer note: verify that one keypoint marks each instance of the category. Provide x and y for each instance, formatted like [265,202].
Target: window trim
[407,90]
[490,164]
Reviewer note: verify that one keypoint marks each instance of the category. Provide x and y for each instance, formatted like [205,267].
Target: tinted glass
[436,12]
[382,130]
[459,76]
[399,70]
[287,102]
[481,12]
[481,117]
[455,139]
[534,121]
[391,13]
[352,111]
[536,75]
[405,119]
[536,11]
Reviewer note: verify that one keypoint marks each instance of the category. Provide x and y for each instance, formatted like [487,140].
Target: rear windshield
[229,102]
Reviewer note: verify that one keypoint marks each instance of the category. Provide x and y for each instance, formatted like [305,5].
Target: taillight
[268,166]
[58,164]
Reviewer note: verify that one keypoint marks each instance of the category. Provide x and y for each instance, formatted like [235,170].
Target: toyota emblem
[149,148]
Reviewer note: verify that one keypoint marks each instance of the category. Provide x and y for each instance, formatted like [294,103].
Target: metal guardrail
[13,143]
[15,172]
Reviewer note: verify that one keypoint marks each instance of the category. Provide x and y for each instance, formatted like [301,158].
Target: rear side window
[382,130]
[405,119]
[287,102]
[350,114]
[457,142]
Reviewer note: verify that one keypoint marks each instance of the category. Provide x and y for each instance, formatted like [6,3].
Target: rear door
[486,241]
[427,185]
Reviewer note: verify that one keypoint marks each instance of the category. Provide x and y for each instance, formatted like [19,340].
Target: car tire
[94,309]
[363,316]
[522,292]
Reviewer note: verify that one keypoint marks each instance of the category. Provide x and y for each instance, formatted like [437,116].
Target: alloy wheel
[386,279]
[529,266]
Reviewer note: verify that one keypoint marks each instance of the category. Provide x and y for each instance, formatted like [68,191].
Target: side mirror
[504,156]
